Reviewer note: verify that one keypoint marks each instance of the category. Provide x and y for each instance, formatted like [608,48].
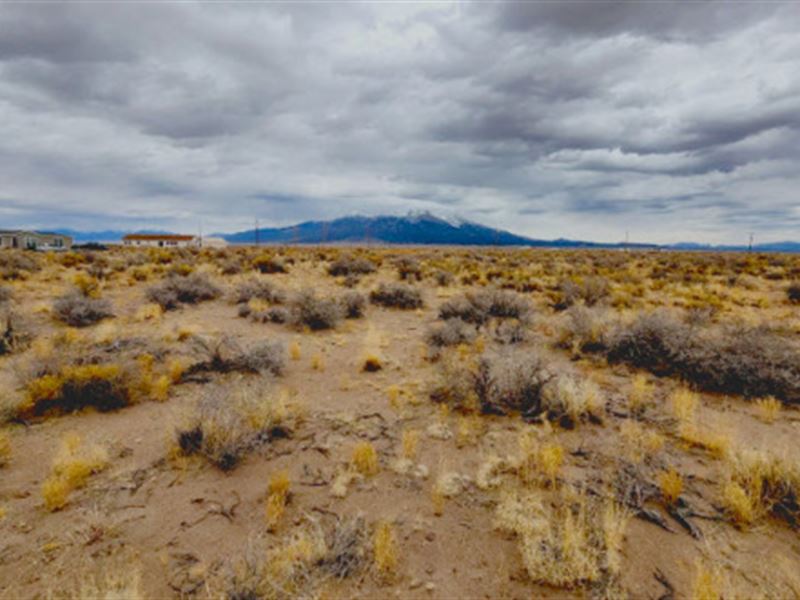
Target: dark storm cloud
[574,119]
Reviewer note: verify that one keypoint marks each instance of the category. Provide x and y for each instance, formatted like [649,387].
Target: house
[160,240]
[34,240]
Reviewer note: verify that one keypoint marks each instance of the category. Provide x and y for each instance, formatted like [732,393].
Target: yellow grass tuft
[318,362]
[149,312]
[539,461]
[640,394]
[277,497]
[684,406]
[5,448]
[71,469]
[768,409]
[365,459]
[371,363]
[566,543]
[707,584]
[671,485]
[294,350]
[385,549]
[410,440]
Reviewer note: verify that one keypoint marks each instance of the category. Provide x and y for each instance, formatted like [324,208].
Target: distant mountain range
[414,228]
[420,228]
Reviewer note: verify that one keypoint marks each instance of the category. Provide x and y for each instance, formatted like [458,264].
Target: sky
[673,121]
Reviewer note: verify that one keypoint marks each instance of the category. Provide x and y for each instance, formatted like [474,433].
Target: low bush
[497,384]
[396,295]
[16,264]
[78,310]
[479,307]
[793,293]
[349,265]
[258,289]
[269,264]
[176,290]
[316,313]
[591,291]
[443,278]
[5,294]
[14,335]
[353,304]
[230,421]
[408,268]
[450,333]
[569,400]
[751,361]
[225,355]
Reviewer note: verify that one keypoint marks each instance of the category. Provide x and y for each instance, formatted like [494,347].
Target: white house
[34,240]
[160,240]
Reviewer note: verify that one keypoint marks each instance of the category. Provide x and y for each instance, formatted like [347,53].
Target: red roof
[170,237]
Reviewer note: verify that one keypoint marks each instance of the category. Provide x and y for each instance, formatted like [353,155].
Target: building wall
[33,240]
[160,243]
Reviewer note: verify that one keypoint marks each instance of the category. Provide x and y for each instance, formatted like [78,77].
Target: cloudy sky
[672,120]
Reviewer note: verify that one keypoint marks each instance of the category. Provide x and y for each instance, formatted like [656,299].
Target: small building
[34,240]
[213,242]
[160,240]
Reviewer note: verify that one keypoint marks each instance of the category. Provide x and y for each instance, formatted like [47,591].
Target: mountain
[419,228]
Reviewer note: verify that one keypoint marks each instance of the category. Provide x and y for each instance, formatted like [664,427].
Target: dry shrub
[496,384]
[78,310]
[316,313]
[225,355]
[753,362]
[17,264]
[591,291]
[71,469]
[793,293]
[569,400]
[298,565]
[572,543]
[229,421]
[266,263]
[450,333]
[349,265]
[478,307]
[14,334]
[396,295]
[5,294]
[583,329]
[408,268]
[175,290]
[260,289]
[353,305]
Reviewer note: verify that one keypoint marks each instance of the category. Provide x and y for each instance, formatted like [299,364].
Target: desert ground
[378,422]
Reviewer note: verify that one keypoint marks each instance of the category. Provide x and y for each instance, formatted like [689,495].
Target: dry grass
[277,497]
[71,469]
[385,551]
[671,485]
[364,459]
[5,448]
[768,409]
[567,544]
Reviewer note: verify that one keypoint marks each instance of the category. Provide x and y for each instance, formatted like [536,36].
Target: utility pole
[258,241]
[750,245]
[200,236]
